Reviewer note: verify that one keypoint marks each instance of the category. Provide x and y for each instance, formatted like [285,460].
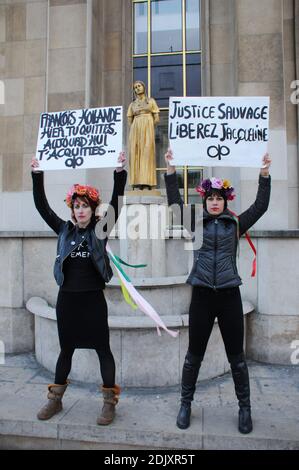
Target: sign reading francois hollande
[82,138]
[219,131]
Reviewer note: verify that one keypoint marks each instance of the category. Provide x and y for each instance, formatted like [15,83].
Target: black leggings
[107,365]
[206,305]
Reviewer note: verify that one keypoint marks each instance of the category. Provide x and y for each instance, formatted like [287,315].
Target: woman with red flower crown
[215,284]
[81,270]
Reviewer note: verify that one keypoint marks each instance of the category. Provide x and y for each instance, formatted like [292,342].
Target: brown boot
[111,396]
[54,404]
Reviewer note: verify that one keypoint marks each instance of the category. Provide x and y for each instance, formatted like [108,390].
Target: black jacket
[69,237]
[215,262]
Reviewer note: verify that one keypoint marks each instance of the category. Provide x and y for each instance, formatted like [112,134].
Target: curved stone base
[143,359]
[272,338]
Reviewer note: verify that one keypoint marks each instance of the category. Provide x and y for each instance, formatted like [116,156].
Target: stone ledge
[49,234]
[155,199]
[270,337]
[274,233]
[41,308]
[214,429]
[152,281]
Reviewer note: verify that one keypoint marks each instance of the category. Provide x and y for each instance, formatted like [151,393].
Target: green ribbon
[130,265]
[117,261]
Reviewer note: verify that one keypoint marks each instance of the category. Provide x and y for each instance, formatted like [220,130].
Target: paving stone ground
[146,416]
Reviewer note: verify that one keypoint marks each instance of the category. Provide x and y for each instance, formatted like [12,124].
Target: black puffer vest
[69,239]
[215,262]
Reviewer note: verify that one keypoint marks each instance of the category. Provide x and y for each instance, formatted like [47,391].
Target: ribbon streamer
[139,301]
[236,217]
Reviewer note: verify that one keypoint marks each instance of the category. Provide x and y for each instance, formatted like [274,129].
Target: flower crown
[216,183]
[80,190]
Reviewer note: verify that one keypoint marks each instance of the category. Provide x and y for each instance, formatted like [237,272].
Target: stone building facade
[70,54]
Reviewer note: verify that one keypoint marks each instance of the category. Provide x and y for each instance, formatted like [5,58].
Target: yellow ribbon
[127,296]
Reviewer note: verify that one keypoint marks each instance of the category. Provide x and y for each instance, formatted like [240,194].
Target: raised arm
[171,182]
[173,195]
[40,199]
[120,179]
[107,222]
[261,203]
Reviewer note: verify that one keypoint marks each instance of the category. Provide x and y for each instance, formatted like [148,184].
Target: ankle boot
[54,405]
[189,377]
[241,380]
[111,396]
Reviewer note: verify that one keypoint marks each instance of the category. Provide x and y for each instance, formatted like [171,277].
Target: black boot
[189,377]
[241,380]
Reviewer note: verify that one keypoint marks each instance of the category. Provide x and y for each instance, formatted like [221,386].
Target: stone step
[147,423]
[145,417]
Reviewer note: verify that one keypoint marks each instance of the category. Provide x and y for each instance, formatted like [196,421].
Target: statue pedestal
[143,192]
[142,227]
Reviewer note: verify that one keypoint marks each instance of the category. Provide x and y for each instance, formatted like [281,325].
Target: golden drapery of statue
[143,114]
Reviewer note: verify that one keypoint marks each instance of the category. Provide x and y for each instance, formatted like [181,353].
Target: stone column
[111,68]
[67,88]
[220,64]
[289,67]
[297,73]
[16,324]
[23,32]
[264,66]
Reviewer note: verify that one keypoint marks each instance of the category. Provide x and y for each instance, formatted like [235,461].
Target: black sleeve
[172,190]
[120,179]
[42,205]
[182,215]
[107,223]
[258,208]
[174,198]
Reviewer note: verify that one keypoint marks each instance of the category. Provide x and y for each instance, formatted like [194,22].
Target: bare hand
[266,165]
[123,160]
[168,157]
[35,165]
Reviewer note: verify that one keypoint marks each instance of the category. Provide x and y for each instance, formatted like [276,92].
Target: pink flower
[216,183]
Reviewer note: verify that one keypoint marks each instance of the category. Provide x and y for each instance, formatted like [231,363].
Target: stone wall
[28,261]
[249,51]
[23,63]
[61,54]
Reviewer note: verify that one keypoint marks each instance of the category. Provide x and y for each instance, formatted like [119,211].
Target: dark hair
[92,204]
[218,192]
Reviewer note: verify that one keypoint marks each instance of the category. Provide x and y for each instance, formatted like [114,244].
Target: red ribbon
[253,272]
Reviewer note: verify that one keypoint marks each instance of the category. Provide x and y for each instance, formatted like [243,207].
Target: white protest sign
[219,131]
[81,138]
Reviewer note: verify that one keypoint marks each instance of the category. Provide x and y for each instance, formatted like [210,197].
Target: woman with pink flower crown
[215,281]
[81,270]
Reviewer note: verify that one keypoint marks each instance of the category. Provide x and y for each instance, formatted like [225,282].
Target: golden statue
[143,114]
